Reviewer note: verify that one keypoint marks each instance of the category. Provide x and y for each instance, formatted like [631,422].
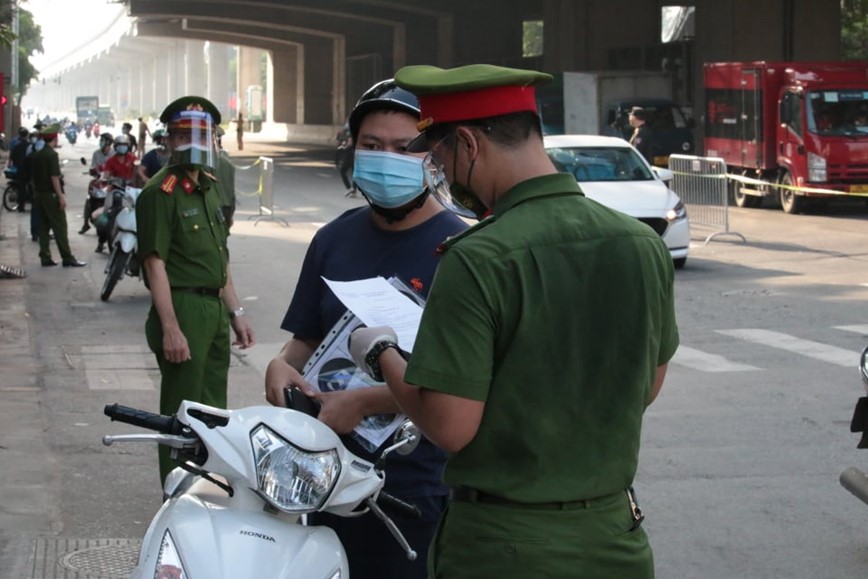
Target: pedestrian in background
[155,159]
[239,131]
[182,244]
[50,200]
[642,137]
[552,320]
[144,132]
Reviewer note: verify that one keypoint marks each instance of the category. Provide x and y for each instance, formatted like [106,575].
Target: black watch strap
[372,360]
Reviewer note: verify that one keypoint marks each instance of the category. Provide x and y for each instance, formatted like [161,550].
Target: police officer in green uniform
[182,243]
[546,334]
[50,200]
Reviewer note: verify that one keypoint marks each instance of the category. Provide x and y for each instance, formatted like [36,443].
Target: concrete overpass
[314,57]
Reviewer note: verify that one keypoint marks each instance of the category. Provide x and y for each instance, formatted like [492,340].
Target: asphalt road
[741,452]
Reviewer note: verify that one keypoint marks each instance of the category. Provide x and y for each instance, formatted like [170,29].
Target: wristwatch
[372,360]
[239,311]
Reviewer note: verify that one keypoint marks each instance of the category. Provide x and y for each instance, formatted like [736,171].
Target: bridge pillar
[218,77]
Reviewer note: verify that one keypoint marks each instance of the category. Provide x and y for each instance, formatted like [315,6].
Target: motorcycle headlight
[676,213]
[292,479]
[168,561]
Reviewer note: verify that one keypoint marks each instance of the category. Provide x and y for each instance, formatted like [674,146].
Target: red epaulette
[168,184]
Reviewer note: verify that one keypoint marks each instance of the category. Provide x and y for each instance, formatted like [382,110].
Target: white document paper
[377,303]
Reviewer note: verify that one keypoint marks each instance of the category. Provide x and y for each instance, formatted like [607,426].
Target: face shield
[433,167]
[191,139]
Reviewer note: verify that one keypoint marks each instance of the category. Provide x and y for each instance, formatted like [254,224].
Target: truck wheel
[740,199]
[790,202]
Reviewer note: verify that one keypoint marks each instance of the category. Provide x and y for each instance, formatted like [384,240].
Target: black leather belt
[468,495]
[214,292]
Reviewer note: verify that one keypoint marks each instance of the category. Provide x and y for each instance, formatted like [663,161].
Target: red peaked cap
[475,91]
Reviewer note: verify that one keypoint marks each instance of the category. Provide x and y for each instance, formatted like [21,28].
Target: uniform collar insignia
[187,185]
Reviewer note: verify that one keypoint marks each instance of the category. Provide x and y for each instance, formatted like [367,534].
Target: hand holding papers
[372,302]
[378,303]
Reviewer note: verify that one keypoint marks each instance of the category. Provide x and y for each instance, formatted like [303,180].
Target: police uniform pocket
[197,233]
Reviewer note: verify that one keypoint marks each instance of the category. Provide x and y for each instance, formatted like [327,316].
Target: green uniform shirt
[180,221]
[44,165]
[556,312]
[225,173]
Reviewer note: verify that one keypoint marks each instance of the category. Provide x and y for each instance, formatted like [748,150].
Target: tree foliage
[29,41]
[854,29]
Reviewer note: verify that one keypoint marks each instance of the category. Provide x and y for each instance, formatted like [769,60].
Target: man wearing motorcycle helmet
[121,165]
[156,158]
[182,247]
[97,160]
[396,234]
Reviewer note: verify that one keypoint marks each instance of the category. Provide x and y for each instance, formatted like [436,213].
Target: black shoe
[100,247]
[84,229]
[73,263]
[49,262]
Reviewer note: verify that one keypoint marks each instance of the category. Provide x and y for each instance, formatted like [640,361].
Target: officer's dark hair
[508,131]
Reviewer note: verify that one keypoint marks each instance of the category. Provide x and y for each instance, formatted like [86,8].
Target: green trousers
[591,541]
[205,323]
[50,217]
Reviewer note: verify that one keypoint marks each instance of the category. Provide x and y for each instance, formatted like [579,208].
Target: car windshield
[600,163]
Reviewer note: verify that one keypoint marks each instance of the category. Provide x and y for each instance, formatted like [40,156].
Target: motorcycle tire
[117,263]
[11,197]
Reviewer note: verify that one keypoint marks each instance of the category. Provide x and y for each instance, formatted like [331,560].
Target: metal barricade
[701,182]
[265,191]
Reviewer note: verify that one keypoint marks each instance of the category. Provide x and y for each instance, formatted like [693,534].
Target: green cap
[190,103]
[52,129]
[476,91]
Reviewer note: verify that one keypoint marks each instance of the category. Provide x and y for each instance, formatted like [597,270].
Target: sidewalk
[64,354]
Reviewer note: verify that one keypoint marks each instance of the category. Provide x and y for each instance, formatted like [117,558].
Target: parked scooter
[853,479]
[123,258]
[234,508]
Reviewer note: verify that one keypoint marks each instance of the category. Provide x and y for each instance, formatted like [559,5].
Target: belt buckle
[635,511]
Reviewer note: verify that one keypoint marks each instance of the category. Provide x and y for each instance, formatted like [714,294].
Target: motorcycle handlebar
[143,418]
[392,503]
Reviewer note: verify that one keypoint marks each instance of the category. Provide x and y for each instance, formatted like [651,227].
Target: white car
[612,172]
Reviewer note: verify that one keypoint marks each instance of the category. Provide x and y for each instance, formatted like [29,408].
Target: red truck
[797,130]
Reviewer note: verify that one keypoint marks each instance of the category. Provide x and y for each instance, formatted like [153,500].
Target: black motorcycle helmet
[385,95]
[105,139]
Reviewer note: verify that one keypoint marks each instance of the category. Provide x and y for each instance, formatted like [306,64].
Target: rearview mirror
[664,175]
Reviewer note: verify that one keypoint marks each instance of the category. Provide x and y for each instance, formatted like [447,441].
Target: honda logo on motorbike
[258,535]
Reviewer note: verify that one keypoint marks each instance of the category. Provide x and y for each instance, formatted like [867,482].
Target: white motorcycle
[235,507]
[124,242]
[853,479]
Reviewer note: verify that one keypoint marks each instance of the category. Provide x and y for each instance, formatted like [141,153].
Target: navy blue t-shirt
[351,248]
[152,163]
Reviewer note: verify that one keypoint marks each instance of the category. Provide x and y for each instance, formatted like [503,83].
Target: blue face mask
[122,149]
[38,145]
[388,180]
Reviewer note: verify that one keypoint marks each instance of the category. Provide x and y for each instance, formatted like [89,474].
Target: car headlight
[168,561]
[292,479]
[816,168]
[676,213]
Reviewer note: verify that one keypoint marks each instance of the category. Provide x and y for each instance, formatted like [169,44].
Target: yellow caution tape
[752,181]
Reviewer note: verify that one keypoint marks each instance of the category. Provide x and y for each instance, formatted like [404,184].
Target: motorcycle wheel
[11,198]
[117,262]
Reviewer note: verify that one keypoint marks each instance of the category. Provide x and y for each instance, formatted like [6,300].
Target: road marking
[858,329]
[705,362]
[808,348]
